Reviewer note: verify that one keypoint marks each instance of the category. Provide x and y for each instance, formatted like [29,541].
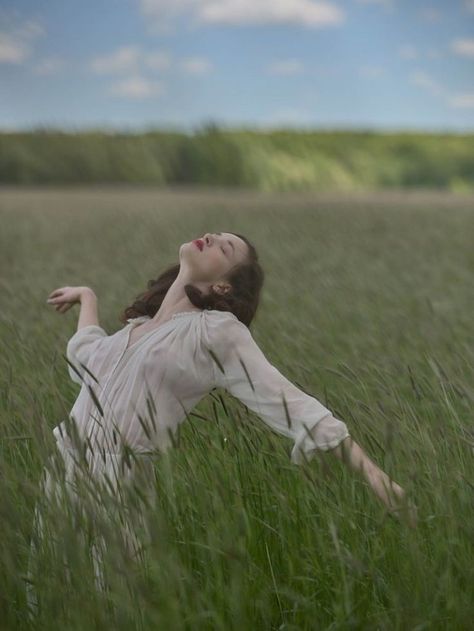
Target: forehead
[240,245]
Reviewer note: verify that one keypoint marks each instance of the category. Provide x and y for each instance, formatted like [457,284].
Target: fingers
[406,513]
[64,298]
[56,293]
[57,298]
[412,515]
[63,307]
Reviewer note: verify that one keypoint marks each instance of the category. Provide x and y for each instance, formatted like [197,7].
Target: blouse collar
[182,313]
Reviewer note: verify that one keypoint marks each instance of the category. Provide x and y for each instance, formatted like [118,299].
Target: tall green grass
[367,305]
[279,160]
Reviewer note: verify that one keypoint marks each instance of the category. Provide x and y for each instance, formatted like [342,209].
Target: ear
[222,287]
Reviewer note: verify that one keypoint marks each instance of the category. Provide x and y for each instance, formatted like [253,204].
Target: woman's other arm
[89,313]
[244,371]
[388,491]
[65,297]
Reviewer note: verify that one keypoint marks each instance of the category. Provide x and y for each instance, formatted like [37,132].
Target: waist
[64,443]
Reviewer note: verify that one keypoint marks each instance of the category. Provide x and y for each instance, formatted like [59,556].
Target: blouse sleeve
[242,369]
[80,348]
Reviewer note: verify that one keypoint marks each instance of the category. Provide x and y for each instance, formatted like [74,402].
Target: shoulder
[224,331]
[222,322]
[88,333]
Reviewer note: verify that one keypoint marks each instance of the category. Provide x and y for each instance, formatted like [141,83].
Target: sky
[178,64]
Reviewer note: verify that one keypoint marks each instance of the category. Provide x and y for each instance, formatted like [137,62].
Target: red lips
[199,243]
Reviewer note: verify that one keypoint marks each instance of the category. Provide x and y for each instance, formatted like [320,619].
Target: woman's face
[212,256]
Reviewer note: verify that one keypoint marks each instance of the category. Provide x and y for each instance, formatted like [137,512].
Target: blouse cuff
[327,433]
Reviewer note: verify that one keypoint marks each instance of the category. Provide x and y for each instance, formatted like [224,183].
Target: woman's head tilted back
[220,271]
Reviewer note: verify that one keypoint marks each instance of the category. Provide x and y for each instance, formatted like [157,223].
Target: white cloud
[301,12]
[371,72]
[16,43]
[286,67]
[469,4]
[407,51]
[132,59]
[457,101]
[465,101]
[463,47]
[309,13]
[12,52]
[423,80]
[159,60]
[49,66]
[195,65]
[137,87]
[124,59]
[133,64]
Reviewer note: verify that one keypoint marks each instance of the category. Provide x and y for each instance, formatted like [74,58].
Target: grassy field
[368,305]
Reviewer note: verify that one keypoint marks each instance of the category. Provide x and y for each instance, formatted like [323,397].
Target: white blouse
[139,395]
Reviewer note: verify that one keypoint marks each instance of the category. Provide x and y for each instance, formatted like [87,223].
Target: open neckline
[133,321]
[141,319]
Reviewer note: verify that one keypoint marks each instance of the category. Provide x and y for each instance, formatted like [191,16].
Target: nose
[208,238]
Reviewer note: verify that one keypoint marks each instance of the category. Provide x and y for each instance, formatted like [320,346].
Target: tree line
[277,160]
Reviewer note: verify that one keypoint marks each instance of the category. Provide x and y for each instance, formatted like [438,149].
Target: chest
[143,355]
[137,333]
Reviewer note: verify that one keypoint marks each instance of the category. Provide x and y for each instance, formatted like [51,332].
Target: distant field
[367,304]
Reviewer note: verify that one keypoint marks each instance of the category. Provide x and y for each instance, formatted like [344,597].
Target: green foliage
[279,160]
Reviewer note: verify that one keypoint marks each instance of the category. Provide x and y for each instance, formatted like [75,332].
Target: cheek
[212,261]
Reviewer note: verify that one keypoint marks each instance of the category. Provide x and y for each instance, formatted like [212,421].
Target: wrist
[87,294]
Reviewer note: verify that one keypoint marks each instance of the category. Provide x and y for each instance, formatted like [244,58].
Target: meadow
[367,305]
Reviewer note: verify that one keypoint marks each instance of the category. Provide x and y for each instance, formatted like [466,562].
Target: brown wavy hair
[243,300]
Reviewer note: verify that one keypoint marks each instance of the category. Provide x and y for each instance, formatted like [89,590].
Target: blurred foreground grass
[367,304]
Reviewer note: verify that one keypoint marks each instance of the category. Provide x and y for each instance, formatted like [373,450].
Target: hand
[65,297]
[404,510]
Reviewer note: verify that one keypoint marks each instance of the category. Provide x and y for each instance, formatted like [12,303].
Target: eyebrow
[233,247]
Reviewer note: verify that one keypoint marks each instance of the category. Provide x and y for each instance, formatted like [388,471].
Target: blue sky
[139,64]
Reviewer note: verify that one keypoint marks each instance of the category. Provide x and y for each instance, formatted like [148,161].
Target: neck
[175,300]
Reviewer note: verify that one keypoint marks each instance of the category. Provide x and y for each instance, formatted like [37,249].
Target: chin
[185,249]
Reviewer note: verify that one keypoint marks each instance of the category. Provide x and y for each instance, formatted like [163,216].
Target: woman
[186,335]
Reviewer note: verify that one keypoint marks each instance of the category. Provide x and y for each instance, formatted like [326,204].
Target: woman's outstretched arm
[240,366]
[388,491]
